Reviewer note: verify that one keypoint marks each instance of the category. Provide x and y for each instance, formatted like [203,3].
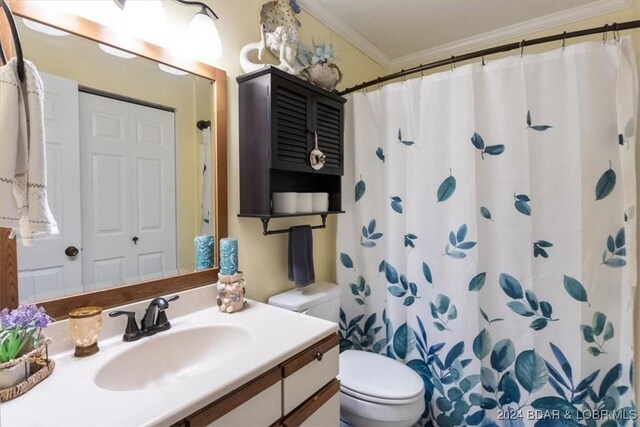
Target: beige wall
[263,258]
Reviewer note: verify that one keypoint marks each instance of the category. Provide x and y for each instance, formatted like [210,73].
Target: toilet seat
[378,379]
[373,399]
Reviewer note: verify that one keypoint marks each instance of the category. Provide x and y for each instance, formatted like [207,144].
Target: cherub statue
[279,34]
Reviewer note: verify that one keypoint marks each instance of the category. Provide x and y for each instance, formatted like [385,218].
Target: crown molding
[335,23]
[511,32]
[344,30]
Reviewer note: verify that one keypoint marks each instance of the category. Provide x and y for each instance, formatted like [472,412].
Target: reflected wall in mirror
[133,226]
[125,161]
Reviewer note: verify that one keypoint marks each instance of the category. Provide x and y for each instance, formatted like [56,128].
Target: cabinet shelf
[287,215]
[266,218]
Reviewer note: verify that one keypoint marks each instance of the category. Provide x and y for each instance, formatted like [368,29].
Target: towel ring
[16,40]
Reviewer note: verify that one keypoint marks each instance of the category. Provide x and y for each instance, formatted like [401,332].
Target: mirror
[126,148]
[125,161]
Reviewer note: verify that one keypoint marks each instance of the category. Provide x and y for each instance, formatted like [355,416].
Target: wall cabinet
[280,118]
[302,391]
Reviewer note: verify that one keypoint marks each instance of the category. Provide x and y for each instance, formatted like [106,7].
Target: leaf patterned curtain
[490,236]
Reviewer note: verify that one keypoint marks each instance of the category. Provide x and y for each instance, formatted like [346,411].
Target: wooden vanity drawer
[321,410]
[257,403]
[308,372]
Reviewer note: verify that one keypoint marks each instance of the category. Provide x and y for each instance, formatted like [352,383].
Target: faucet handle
[131,332]
[173,298]
[161,319]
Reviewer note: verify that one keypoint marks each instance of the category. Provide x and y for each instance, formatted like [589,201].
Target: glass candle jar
[85,324]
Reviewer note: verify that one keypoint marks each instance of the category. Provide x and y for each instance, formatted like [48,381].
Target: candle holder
[85,324]
[231,292]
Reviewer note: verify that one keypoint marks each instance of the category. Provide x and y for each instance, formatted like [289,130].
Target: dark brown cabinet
[280,117]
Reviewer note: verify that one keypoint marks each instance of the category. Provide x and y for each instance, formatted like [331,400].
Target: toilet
[375,390]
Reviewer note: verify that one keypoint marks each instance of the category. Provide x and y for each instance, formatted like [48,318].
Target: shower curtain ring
[453,64]
[483,63]
[421,71]
[604,33]
[564,40]
[379,83]
[616,33]
[522,47]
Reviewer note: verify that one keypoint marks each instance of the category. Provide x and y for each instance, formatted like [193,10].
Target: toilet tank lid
[307,297]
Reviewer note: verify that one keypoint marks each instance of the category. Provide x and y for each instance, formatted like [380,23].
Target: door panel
[154,219]
[106,196]
[44,271]
[128,191]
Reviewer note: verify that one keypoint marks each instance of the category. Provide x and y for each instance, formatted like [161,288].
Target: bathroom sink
[171,356]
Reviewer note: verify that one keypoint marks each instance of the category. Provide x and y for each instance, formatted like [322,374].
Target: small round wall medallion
[317,157]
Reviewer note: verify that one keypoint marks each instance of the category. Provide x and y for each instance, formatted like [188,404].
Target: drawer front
[257,403]
[328,415]
[321,410]
[304,382]
[261,410]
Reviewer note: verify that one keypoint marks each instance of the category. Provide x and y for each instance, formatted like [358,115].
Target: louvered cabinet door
[329,125]
[291,131]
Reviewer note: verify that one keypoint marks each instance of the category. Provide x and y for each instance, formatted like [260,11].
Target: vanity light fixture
[203,41]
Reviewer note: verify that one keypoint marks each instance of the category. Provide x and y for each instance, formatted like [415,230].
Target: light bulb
[203,40]
[146,19]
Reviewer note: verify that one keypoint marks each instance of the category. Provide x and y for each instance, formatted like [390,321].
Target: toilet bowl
[375,390]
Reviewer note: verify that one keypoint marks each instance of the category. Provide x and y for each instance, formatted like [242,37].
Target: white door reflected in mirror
[111,175]
[44,269]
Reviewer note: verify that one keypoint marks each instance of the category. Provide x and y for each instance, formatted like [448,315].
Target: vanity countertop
[70,396]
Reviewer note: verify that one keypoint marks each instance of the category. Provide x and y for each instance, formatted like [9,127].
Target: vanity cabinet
[302,391]
[280,118]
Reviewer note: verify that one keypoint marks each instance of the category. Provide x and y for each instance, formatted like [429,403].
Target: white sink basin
[170,356]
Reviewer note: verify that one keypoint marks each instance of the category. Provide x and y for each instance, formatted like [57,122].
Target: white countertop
[69,397]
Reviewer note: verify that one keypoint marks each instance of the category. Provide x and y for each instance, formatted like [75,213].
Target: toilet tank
[320,299]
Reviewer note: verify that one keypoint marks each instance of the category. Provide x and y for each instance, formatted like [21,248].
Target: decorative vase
[230,292]
[14,375]
[325,76]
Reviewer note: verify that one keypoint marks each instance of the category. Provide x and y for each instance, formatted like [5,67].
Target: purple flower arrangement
[19,327]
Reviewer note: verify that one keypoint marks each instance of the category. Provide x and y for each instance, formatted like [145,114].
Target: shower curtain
[490,236]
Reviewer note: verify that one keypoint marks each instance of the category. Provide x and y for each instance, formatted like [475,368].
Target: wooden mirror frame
[60,307]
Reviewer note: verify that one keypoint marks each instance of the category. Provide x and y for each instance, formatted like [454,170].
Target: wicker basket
[41,368]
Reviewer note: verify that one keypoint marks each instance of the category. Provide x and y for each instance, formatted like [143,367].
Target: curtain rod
[615,27]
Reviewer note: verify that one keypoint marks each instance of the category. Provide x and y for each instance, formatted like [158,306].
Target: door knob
[135,240]
[71,251]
